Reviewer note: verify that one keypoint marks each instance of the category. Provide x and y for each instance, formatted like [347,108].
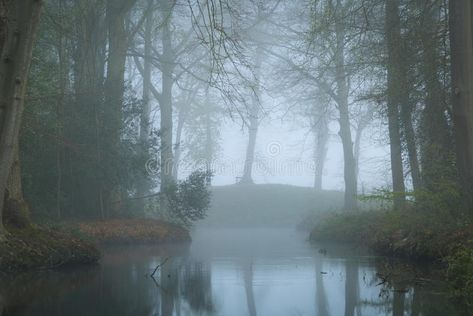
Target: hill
[267,204]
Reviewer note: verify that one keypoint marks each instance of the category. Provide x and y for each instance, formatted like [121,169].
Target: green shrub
[460,274]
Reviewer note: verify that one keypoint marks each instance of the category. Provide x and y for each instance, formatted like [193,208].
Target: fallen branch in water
[158,266]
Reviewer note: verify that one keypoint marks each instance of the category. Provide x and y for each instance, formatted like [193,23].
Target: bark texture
[19,21]
[394,78]
[461,45]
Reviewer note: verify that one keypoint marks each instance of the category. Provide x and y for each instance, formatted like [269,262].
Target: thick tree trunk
[436,140]
[461,46]
[63,86]
[16,211]
[114,89]
[394,78]
[344,119]
[18,25]
[83,126]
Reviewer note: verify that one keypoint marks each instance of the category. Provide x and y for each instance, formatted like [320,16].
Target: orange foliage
[133,230]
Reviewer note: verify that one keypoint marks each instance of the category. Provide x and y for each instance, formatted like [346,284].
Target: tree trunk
[83,119]
[250,148]
[181,118]
[16,210]
[394,78]
[184,109]
[209,145]
[253,119]
[320,152]
[436,139]
[344,119]
[406,107]
[166,164]
[410,139]
[143,187]
[362,124]
[460,17]
[63,85]
[18,26]
[114,89]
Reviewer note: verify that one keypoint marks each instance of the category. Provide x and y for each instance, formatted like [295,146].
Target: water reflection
[248,280]
[277,273]
[321,296]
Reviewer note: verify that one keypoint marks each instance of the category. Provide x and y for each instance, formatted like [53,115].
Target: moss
[41,248]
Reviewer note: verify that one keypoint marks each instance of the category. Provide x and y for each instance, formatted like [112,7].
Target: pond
[231,271]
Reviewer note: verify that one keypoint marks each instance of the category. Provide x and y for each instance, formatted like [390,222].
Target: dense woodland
[103,86]
[103,101]
[114,112]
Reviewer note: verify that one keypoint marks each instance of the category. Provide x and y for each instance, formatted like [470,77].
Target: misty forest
[236,157]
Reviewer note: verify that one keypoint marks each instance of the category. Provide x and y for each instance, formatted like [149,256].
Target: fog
[285,155]
[236,157]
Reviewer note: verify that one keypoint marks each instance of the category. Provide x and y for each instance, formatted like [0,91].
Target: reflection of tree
[196,287]
[351,287]
[416,302]
[248,279]
[321,296]
[399,299]
[18,292]
[168,284]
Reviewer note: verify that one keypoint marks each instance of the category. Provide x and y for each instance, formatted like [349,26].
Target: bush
[189,200]
[460,274]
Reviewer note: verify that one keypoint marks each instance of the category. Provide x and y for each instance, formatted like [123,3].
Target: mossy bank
[411,235]
[43,248]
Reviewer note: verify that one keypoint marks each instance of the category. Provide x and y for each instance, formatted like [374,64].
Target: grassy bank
[41,248]
[56,246]
[408,234]
[115,231]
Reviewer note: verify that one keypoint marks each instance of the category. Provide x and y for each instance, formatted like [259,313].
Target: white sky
[284,155]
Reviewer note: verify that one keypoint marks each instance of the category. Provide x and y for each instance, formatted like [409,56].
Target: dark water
[231,272]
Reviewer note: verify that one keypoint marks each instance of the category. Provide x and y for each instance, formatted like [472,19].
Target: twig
[158,266]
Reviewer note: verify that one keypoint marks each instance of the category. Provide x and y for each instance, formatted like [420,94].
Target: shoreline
[62,245]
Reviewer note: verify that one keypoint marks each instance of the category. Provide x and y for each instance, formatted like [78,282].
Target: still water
[258,271]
